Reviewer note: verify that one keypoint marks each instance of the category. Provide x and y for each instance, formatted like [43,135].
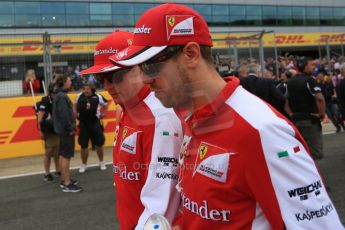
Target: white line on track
[89,166]
[42,172]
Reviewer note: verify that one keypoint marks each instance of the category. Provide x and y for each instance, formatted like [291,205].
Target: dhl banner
[33,45]
[19,135]
[279,39]
[69,44]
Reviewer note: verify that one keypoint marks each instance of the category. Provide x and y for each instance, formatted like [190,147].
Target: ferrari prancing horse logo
[202,151]
[171,21]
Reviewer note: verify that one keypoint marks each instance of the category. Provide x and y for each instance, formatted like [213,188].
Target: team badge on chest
[129,140]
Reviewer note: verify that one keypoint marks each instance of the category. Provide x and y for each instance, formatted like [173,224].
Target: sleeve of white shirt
[159,194]
[102,100]
[300,191]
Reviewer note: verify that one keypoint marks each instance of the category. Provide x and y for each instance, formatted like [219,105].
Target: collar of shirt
[206,111]
[131,103]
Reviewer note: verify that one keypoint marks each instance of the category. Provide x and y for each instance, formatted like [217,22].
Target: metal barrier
[45,54]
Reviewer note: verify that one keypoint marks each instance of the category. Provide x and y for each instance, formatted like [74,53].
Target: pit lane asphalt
[28,203]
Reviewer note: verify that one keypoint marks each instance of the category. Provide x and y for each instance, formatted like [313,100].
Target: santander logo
[106,51]
[142,30]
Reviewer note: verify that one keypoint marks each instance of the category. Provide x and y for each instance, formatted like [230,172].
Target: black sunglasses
[153,66]
[115,77]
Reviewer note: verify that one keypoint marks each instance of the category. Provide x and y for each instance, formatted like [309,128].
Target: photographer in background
[51,139]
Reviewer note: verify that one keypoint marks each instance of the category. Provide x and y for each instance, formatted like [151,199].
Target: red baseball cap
[108,46]
[164,25]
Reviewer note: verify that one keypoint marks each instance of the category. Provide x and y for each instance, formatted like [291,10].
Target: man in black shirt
[328,91]
[91,107]
[341,93]
[306,105]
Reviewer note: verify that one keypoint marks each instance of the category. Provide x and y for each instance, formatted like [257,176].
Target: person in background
[64,121]
[328,91]
[262,87]
[282,83]
[147,140]
[306,105]
[48,135]
[30,76]
[90,108]
[242,164]
[341,92]
[269,73]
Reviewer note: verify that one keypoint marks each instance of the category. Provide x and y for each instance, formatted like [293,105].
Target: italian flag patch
[167,133]
[285,153]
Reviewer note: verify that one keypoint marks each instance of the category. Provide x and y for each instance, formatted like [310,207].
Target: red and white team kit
[242,165]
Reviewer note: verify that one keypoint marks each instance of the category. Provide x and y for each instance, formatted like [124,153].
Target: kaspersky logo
[179,25]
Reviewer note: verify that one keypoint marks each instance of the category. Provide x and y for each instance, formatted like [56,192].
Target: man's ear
[192,54]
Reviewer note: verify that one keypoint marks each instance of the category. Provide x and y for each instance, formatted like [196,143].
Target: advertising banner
[279,39]
[19,134]
[69,44]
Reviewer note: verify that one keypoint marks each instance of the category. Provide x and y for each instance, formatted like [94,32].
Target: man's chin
[166,103]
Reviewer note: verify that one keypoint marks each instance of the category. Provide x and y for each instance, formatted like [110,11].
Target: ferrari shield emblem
[129,42]
[202,151]
[171,21]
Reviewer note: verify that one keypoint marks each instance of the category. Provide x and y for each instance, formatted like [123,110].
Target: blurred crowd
[328,73]
[78,80]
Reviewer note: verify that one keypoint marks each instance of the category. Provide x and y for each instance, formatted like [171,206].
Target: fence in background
[48,52]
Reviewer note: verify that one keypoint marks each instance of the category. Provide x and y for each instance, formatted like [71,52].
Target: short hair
[253,68]
[91,86]
[30,71]
[206,53]
[302,62]
[61,80]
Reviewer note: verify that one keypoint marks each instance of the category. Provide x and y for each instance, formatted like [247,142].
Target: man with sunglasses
[147,140]
[242,164]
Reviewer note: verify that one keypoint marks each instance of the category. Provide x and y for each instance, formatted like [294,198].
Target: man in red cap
[147,141]
[243,164]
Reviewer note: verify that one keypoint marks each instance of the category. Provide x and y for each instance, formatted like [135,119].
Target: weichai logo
[304,192]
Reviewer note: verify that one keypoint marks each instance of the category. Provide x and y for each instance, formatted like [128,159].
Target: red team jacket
[244,166]
[145,157]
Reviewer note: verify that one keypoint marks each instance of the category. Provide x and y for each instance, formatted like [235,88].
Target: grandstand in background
[66,32]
